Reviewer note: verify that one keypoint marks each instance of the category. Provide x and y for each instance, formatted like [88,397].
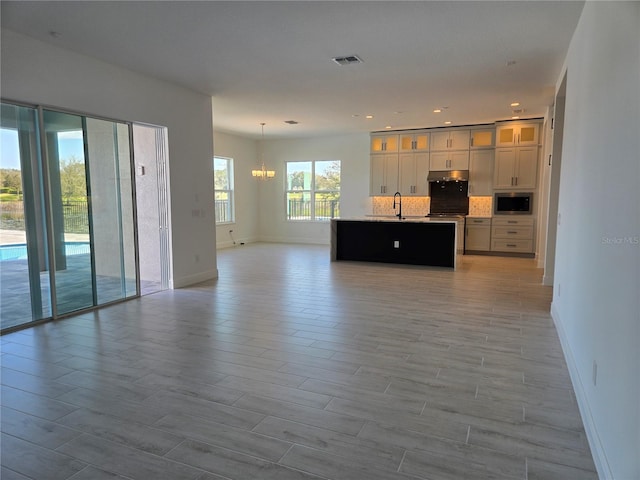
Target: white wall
[597,286]
[38,73]
[351,150]
[244,152]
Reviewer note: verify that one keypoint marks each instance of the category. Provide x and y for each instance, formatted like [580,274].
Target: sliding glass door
[69,210]
[78,214]
[24,274]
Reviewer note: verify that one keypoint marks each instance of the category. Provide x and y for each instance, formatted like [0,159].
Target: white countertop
[389,219]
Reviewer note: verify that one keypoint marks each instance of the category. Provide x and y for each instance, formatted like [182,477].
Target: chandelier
[263,173]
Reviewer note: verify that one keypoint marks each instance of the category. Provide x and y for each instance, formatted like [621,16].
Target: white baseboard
[195,278]
[303,240]
[597,449]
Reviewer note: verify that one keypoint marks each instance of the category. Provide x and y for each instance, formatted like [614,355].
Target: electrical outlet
[595,373]
[230,231]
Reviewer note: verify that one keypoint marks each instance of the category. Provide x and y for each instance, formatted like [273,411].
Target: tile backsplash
[480,206]
[411,206]
[419,206]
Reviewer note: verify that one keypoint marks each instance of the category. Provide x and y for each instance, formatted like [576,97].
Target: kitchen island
[414,241]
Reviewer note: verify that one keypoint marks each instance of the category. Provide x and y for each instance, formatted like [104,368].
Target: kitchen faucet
[399,196]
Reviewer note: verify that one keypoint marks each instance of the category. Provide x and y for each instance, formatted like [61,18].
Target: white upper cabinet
[450,140]
[417,141]
[517,134]
[384,143]
[413,172]
[516,168]
[455,160]
[481,172]
[384,174]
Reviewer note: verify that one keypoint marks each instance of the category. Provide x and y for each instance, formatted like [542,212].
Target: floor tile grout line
[402,460]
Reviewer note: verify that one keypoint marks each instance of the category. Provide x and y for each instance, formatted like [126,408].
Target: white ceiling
[271,61]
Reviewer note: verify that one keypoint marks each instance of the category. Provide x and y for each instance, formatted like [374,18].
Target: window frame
[312,192]
[230,192]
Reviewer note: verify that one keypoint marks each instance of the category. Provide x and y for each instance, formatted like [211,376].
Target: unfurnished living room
[320,240]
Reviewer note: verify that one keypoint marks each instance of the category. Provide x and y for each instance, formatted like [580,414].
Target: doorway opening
[554,186]
[150,151]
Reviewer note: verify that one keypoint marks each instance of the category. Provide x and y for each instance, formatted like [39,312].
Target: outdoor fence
[75,214]
[324,209]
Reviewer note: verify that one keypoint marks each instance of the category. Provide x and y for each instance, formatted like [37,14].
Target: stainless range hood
[448,176]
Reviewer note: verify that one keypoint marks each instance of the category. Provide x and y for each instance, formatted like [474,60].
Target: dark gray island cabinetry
[414,242]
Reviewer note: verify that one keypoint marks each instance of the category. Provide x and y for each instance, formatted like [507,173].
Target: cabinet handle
[471,142]
[513,245]
[516,181]
[511,232]
[477,221]
[512,221]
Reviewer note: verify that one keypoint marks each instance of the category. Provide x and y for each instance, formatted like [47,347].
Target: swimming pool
[18,251]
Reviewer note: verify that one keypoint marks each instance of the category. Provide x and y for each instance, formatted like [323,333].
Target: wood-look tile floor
[293,367]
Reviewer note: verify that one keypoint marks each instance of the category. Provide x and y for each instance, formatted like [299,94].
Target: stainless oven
[513,203]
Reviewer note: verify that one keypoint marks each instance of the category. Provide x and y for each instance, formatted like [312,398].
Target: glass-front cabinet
[417,141]
[516,134]
[483,138]
[384,143]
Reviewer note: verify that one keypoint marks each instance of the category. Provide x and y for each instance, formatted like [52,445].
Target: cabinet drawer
[478,221]
[515,245]
[523,232]
[513,221]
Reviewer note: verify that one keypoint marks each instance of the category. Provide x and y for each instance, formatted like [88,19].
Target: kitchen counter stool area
[413,242]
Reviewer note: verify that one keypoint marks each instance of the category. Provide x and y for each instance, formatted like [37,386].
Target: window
[313,190]
[223,189]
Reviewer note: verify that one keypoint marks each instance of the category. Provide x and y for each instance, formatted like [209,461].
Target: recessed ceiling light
[515,104]
[388,127]
[397,112]
[515,117]
[448,122]
[437,110]
[369,117]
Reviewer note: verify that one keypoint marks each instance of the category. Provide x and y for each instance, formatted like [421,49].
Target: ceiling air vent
[291,122]
[347,60]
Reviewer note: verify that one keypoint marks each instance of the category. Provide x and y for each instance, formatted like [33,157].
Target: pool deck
[10,237]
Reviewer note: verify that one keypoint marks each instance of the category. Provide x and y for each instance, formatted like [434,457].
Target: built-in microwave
[513,203]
